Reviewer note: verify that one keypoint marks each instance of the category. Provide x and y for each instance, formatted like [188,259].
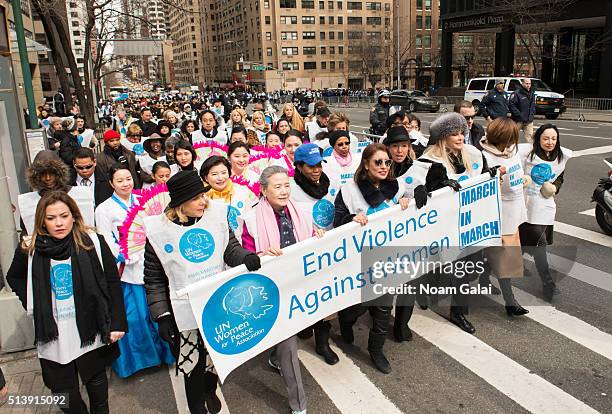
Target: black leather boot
[321,334]
[458,318]
[305,333]
[401,331]
[375,348]
[516,310]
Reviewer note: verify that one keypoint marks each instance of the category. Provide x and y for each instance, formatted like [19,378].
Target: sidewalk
[148,391]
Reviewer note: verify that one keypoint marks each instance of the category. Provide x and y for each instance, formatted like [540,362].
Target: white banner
[242,314]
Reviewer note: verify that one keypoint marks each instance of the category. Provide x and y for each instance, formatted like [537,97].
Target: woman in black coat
[76,301]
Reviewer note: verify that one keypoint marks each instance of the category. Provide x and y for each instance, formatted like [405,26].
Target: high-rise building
[76,18]
[184,31]
[289,44]
[419,42]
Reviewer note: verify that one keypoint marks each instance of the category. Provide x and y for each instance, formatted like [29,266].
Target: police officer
[495,102]
[380,113]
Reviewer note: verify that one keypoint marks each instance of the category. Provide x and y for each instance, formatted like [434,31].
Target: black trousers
[380,322]
[97,390]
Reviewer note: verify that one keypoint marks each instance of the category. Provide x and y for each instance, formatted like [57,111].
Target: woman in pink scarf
[342,163]
[273,224]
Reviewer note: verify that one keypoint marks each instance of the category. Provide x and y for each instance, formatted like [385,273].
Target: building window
[332,35]
[330,5]
[339,5]
[428,22]
[331,19]
[355,20]
[321,5]
[322,35]
[332,50]
[373,21]
[308,20]
[341,50]
[418,41]
[288,19]
[291,66]
[309,50]
[307,4]
[355,35]
[289,51]
[340,20]
[310,65]
[427,41]
[321,19]
[373,6]
[266,4]
[267,19]
[306,35]
[427,4]
[289,35]
[323,65]
[323,50]
[387,7]
[288,4]
[419,22]
[340,35]
[353,5]
[269,51]
[268,36]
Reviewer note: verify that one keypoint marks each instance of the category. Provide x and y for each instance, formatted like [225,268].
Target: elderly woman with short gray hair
[276,222]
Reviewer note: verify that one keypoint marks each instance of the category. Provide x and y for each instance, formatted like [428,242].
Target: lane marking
[593,151]
[589,136]
[584,273]
[563,323]
[178,386]
[345,384]
[525,388]
[590,212]
[584,234]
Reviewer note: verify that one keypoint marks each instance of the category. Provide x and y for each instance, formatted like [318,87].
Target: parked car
[413,101]
[548,103]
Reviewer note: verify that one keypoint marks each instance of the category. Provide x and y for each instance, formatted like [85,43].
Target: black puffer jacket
[156,280]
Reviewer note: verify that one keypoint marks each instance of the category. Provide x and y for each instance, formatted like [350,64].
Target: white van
[548,103]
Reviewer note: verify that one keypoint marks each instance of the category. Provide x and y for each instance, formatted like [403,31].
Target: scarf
[90,291]
[314,190]
[268,234]
[376,196]
[225,194]
[115,153]
[343,161]
[211,134]
[400,169]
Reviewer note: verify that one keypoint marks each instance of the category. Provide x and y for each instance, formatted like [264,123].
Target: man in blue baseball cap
[311,191]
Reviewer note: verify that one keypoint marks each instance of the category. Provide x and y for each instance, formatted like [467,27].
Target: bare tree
[369,58]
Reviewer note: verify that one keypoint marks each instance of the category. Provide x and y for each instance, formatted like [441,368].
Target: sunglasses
[467,118]
[379,163]
[83,167]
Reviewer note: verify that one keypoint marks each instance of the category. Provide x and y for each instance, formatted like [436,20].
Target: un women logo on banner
[323,213]
[197,245]
[241,313]
[61,281]
[541,173]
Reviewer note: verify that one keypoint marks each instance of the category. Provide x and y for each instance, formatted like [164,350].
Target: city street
[556,359]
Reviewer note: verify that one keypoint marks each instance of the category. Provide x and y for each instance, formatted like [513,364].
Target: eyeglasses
[379,163]
[83,167]
[469,117]
[342,144]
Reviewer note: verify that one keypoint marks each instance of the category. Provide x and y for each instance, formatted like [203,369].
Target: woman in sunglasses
[342,163]
[373,189]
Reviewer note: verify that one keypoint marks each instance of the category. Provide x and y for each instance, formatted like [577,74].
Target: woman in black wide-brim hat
[167,270]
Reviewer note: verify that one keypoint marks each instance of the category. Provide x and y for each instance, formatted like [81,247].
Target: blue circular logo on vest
[240,313]
[323,213]
[541,173]
[122,131]
[232,216]
[80,137]
[61,281]
[328,151]
[168,248]
[381,206]
[45,122]
[240,204]
[463,178]
[409,180]
[475,166]
[197,245]
[138,149]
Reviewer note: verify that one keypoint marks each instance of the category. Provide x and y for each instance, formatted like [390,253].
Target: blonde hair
[178,212]
[297,122]
[335,119]
[441,152]
[79,229]
[133,129]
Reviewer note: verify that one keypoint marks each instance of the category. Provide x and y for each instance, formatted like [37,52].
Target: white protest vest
[322,211]
[85,137]
[313,129]
[541,210]
[122,126]
[82,195]
[146,162]
[340,174]
[135,147]
[513,201]
[415,176]
[354,201]
[476,161]
[220,137]
[189,253]
[67,347]
[242,201]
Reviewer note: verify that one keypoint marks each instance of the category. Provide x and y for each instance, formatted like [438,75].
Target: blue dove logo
[328,151]
[240,313]
[197,245]
[138,149]
[323,213]
[80,137]
[463,178]
[232,216]
[61,281]
[541,173]
[381,206]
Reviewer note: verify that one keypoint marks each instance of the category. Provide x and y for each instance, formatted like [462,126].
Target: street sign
[259,67]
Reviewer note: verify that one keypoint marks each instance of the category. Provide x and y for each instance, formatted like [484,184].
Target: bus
[116,91]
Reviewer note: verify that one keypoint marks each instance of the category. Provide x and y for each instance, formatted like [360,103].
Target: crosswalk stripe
[592,151]
[567,325]
[509,377]
[346,385]
[589,212]
[584,234]
[586,274]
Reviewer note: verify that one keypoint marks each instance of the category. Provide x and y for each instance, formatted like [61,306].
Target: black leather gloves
[421,195]
[252,262]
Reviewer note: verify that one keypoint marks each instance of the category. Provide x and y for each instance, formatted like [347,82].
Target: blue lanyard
[121,203]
